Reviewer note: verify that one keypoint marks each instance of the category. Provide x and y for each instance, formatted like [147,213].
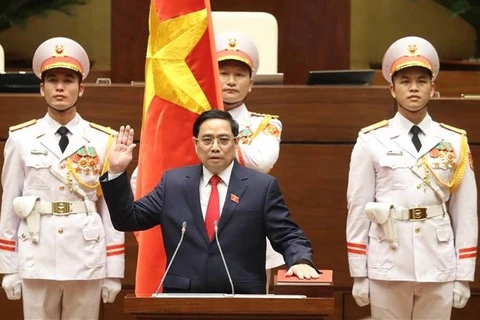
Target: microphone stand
[184,229]
[215,223]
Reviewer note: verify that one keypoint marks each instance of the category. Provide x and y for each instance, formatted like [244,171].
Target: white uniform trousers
[65,300]
[411,300]
[274,259]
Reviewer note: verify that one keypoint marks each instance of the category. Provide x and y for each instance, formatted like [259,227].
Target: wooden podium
[228,307]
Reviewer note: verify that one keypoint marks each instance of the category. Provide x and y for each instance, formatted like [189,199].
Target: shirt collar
[405,125]
[224,175]
[72,126]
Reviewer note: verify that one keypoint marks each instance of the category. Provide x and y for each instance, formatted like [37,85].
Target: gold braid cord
[106,163]
[459,171]
[80,181]
[263,125]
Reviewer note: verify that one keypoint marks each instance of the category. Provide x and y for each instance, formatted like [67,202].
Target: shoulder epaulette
[107,130]
[23,125]
[460,131]
[374,126]
[256,114]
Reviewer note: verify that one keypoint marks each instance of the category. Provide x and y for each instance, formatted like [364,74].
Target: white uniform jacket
[78,246]
[438,249]
[259,151]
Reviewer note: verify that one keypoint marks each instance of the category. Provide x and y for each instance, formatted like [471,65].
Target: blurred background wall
[374,25]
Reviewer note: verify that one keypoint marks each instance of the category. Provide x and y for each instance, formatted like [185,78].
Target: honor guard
[259,144]
[238,62]
[412,200]
[58,248]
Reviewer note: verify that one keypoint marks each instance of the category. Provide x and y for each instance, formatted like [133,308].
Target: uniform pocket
[37,175]
[393,162]
[379,251]
[446,250]
[26,247]
[94,246]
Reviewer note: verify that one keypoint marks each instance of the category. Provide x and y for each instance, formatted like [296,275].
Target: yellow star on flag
[170,42]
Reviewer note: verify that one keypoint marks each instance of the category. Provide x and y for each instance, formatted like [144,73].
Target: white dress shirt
[205,188]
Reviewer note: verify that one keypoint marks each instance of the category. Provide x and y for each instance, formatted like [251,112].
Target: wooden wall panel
[320,125]
[448,83]
[129,36]
[313,180]
[313,35]
[10,310]
[309,113]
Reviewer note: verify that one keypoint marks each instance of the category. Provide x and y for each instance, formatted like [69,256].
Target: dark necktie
[63,143]
[213,208]
[416,141]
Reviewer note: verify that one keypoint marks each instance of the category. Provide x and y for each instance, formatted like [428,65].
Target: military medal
[86,159]
[245,135]
[443,156]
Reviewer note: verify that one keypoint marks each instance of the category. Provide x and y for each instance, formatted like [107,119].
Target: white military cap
[237,46]
[60,53]
[410,52]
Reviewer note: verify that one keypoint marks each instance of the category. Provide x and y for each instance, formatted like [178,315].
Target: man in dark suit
[250,207]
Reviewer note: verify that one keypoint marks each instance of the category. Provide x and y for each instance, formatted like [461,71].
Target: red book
[325,279]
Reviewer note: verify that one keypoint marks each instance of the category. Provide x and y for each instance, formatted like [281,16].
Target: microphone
[184,229]
[215,229]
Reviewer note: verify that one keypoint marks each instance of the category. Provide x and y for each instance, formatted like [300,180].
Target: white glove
[12,284]
[461,293]
[361,291]
[110,288]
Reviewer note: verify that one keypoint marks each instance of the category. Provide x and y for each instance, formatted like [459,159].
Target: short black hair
[214,114]
[77,74]
[236,62]
[394,75]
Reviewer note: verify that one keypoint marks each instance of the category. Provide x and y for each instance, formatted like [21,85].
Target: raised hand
[120,154]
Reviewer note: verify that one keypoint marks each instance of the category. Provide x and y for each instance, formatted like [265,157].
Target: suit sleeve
[129,215]
[283,233]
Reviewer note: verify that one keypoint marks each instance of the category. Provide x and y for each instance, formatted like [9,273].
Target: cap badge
[59,49]
[232,44]
[412,48]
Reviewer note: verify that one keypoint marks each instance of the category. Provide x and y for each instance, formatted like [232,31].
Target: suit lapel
[432,139]
[402,140]
[190,188]
[237,187]
[79,138]
[48,139]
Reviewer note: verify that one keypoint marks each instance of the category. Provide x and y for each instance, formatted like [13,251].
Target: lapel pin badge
[234,198]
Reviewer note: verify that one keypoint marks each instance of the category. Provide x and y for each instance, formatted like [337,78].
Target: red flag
[181,81]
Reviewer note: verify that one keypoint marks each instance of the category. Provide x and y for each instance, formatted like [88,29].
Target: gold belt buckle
[60,208]
[417,214]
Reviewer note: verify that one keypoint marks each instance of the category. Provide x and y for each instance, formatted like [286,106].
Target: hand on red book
[302,271]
